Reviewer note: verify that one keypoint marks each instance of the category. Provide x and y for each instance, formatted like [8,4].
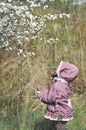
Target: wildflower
[9,0]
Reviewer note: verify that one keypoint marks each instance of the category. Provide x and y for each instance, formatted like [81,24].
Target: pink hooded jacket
[57,96]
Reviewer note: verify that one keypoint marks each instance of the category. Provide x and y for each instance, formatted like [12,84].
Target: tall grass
[36,121]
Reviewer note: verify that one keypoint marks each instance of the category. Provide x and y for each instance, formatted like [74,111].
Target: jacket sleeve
[53,94]
[56,95]
[49,96]
[43,96]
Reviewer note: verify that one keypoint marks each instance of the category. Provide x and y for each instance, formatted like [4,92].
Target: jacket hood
[67,71]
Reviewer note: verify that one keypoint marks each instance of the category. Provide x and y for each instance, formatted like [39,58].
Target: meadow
[34,39]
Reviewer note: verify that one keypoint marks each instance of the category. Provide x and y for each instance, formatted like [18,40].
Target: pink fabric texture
[57,97]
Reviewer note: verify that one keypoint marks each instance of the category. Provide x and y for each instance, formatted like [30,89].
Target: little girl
[56,97]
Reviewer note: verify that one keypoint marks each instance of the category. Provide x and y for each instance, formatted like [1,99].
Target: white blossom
[9,0]
[17,22]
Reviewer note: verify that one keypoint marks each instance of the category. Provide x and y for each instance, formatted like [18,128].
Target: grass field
[21,76]
[34,120]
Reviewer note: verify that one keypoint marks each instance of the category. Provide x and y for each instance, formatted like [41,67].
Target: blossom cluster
[17,22]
